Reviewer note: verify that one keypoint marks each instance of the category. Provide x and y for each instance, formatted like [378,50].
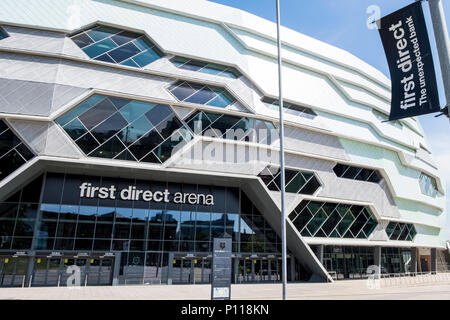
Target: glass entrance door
[47,271]
[100,272]
[13,271]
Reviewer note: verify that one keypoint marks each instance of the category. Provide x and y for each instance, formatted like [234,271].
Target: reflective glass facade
[401,231]
[428,185]
[335,220]
[301,182]
[356,173]
[117,46]
[69,222]
[290,108]
[396,260]
[13,152]
[124,129]
[201,94]
[205,67]
[232,127]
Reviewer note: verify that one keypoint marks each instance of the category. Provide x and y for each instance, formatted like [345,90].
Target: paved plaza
[348,289]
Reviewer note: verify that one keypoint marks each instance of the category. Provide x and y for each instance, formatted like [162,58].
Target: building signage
[221,271]
[87,190]
[407,47]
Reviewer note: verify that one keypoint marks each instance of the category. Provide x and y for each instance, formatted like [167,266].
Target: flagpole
[442,43]
[282,183]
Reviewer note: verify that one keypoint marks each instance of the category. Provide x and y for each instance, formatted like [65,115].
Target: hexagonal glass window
[333,220]
[117,46]
[125,129]
[300,182]
[401,231]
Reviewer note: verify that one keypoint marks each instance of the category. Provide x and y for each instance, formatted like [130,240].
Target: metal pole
[283,214]
[442,43]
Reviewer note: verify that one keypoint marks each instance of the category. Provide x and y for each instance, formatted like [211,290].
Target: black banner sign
[407,47]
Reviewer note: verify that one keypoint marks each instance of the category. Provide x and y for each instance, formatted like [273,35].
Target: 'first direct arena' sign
[133,194]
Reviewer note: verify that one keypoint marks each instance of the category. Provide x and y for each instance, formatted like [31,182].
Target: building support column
[117,259]
[320,253]
[377,257]
[30,269]
[292,268]
[433,260]
[413,267]
[170,269]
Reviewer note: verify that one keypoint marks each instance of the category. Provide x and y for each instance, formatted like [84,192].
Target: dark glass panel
[296,184]
[358,224]
[124,52]
[68,213]
[143,43]
[101,111]
[8,211]
[331,222]
[345,223]
[124,37]
[168,126]
[121,245]
[44,243]
[27,211]
[64,244]
[9,163]
[158,113]
[121,230]
[82,40]
[101,32]
[99,48]
[135,131]
[339,169]
[110,127]
[105,58]
[130,63]
[21,243]
[375,177]
[364,174]
[6,229]
[135,109]
[119,103]
[222,100]
[125,155]
[369,227]
[24,227]
[83,244]
[102,245]
[311,187]
[85,230]
[144,145]
[202,96]
[87,143]
[198,122]
[351,172]
[182,90]
[71,192]
[104,230]
[317,221]
[109,150]
[164,151]
[138,231]
[193,65]
[147,57]
[152,158]
[187,246]
[25,152]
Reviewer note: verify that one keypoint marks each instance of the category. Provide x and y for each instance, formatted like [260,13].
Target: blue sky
[343,24]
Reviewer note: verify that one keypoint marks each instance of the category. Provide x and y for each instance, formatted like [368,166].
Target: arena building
[133,132]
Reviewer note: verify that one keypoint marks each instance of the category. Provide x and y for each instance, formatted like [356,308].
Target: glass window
[356,173]
[13,153]
[3,34]
[215,69]
[116,128]
[116,46]
[289,108]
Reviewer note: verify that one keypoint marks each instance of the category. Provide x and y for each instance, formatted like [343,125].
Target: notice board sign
[221,268]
